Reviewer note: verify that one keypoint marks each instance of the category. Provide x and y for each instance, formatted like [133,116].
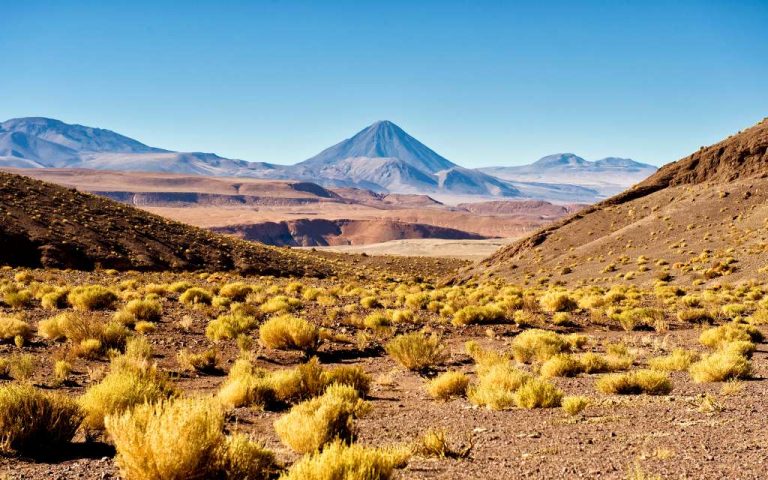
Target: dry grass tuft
[184,438]
[287,332]
[539,345]
[340,461]
[447,385]
[538,393]
[92,297]
[313,423]
[416,351]
[575,405]
[634,383]
[679,360]
[34,422]
[719,367]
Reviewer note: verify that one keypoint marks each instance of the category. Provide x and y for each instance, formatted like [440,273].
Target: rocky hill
[46,225]
[697,219]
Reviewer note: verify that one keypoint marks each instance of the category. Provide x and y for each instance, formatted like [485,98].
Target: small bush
[92,297]
[149,444]
[61,371]
[557,302]
[635,383]
[416,351]
[246,385]
[538,393]
[144,310]
[35,422]
[540,345]
[55,300]
[447,385]
[472,314]
[695,315]
[237,292]
[341,461]
[561,365]
[435,443]
[596,363]
[280,303]
[350,375]
[719,367]
[315,422]
[196,296]
[376,320]
[730,332]
[197,362]
[679,360]
[287,332]
[228,327]
[22,366]
[129,383]
[496,386]
[12,328]
[575,405]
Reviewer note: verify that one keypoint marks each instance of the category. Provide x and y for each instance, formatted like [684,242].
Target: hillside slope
[45,225]
[700,218]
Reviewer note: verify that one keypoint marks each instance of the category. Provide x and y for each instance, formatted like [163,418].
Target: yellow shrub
[246,385]
[561,365]
[35,422]
[280,303]
[575,405]
[538,345]
[144,310]
[196,296]
[633,383]
[557,302]
[340,461]
[496,386]
[719,367]
[447,385]
[227,327]
[680,359]
[12,328]
[416,351]
[92,297]
[126,385]
[315,422]
[476,314]
[287,332]
[197,362]
[183,438]
[538,393]
[730,332]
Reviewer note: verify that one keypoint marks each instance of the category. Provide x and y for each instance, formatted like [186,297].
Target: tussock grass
[230,326]
[197,362]
[496,386]
[287,332]
[557,302]
[183,438]
[196,296]
[538,393]
[313,423]
[539,345]
[129,383]
[435,443]
[280,304]
[575,405]
[730,332]
[447,385]
[719,367]
[416,351]
[341,461]
[679,360]
[12,328]
[34,422]
[472,314]
[634,383]
[91,297]
[246,385]
[561,365]
[147,310]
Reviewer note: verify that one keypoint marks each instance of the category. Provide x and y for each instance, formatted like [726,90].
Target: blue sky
[482,83]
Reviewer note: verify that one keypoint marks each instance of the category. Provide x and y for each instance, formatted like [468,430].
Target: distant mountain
[382,158]
[607,176]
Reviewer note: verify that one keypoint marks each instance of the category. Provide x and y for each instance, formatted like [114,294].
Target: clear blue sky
[480,82]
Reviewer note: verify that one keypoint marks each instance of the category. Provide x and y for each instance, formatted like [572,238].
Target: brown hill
[699,218]
[45,225]
[321,232]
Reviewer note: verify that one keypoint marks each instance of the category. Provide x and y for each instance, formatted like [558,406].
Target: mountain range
[382,158]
